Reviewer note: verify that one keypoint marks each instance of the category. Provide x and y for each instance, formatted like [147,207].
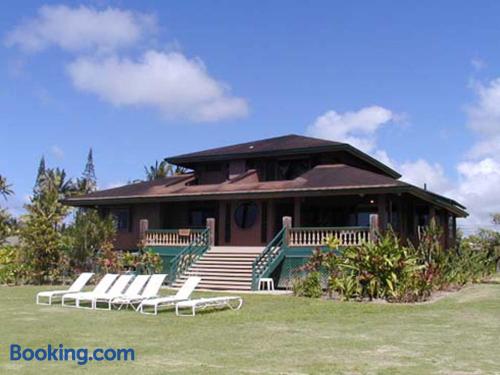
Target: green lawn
[459,334]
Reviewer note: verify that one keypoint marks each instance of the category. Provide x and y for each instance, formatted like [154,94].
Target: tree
[41,233]
[41,237]
[86,235]
[55,179]
[162,170]
[7,222]
[496,218]
[88,182]
[5,188]
[7,225]
[40,174]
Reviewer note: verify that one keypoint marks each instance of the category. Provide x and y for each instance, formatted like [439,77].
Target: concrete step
[216,263]
[233,277]
[237,249]
[222,266]
[238,253]
[229,260]
[218,272]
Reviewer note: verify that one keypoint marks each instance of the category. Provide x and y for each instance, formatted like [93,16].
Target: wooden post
[382,212]
[446,227]
[454,229]
[287,223]
[271,220]
[143,227]
[211,228]
[432,215]
[373,226]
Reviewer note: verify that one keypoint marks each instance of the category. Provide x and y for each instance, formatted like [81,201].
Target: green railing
[269,258]
[182,261]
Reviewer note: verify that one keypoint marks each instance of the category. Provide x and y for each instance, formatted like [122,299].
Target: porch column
[432,214]
[382,212]
[287,223]
[297,201]
[401,217]
[271,220]
[143,227]
[454,229]
[211,229]
[446,225]
[374,226]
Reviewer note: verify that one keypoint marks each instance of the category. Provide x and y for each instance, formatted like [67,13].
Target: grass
[458,334]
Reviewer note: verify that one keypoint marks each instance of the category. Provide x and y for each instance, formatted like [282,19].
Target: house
[248,192]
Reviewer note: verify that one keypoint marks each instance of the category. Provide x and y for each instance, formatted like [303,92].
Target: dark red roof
[330,179]
[291,142]
[324,177]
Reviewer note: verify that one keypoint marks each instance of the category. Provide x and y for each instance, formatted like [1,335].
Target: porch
[189,252]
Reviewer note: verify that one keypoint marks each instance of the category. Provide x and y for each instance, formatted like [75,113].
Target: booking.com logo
[80,355]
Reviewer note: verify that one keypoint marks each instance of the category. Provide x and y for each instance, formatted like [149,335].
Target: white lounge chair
[182,294]
[76,287]
[116,290]
[101,287]
[203,303]
[150,291]
[133,288]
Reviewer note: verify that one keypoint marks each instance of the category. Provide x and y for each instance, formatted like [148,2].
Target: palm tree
[5,188]
[57,179]
[158,170]
[163,169]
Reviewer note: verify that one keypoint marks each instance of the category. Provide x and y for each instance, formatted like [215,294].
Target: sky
[417,85]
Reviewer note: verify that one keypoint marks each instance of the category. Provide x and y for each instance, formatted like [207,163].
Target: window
[246,215]
[122,217]
[363,219]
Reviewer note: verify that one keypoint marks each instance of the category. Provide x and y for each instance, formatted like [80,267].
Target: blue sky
[413,84]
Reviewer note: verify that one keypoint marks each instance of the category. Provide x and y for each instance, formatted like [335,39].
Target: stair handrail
[182,261]
[264,264]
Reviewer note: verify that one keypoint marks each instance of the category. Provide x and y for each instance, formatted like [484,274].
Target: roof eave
[187,161]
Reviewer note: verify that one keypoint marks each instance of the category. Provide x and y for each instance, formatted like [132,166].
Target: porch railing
[182,261]
[171,237]
[348,236]
[269,258]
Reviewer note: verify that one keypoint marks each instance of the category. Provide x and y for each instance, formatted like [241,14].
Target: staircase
[224,268]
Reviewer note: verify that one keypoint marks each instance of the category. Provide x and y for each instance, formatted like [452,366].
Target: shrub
[87,235]
[12,270]
[308,286]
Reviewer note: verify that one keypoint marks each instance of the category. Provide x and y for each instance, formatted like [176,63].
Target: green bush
[12,270]
[397,273]
[308,286]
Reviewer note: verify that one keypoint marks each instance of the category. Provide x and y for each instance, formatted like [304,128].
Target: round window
[246,215]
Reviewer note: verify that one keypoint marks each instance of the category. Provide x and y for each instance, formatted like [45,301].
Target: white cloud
[167,81]
[421,172]
[356,128]
[57,152]
[170,82]
[81,28]
[478,189]
[479,174]
[484,114]
[479,177]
